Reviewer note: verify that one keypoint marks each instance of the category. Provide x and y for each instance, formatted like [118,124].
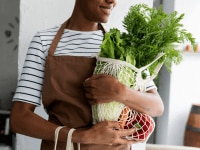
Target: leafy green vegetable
[150,31]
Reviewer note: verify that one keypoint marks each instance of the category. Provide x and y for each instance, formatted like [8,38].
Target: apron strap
[59,34]
[100,27]
[57,39]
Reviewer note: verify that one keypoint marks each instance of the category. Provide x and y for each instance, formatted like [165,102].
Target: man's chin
[104,20]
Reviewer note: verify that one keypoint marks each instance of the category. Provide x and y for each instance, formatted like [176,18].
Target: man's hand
[103,88]
[106,133]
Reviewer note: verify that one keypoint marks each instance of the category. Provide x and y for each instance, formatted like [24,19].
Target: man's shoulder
[49,31]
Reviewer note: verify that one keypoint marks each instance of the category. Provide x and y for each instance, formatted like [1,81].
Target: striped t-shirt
[72,42]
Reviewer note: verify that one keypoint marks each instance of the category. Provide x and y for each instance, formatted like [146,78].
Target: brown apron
[63,94]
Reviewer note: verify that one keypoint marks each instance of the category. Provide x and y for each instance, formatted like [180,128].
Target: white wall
[36,15]
[180,89]
[191,11]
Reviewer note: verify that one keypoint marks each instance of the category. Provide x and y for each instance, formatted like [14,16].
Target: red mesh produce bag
[144,123]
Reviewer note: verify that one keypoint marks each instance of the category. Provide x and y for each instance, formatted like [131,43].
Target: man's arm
[103,88]
[25,121]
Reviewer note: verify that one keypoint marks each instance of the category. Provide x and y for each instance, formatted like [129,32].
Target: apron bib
[63,94]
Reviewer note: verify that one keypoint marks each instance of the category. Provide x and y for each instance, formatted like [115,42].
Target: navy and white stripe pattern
[72,43]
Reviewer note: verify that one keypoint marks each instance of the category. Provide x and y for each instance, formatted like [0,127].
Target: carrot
[123,117]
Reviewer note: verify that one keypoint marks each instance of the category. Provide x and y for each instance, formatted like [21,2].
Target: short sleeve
[30,83]
[150,85]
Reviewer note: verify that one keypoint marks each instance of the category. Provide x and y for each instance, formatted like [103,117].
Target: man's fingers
[121,137]
[126,132]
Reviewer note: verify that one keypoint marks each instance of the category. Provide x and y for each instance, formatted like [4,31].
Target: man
[66,97]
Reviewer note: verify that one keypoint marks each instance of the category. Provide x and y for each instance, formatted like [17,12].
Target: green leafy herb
[149,31]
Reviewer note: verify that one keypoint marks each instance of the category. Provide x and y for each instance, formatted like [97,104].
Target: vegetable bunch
[149,32]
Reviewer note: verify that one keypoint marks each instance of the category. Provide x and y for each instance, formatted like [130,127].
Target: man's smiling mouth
[106,9]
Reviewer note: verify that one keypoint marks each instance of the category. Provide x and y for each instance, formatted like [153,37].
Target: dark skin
[111,89]
[85,17]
